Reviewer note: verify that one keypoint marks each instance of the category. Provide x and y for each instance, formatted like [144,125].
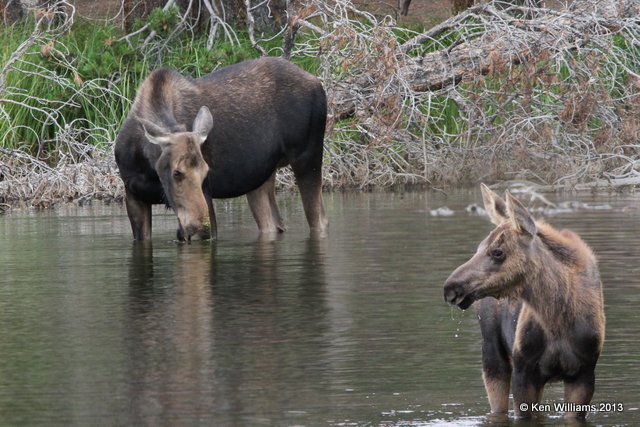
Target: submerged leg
[139,216]
[579,392]
[275,212]
[527,390]
[262,202]
[497,386]
[306,162]
[527,381]
[212,217]
[310,184]
[496,368]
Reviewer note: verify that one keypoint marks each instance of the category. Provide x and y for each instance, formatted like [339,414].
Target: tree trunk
[11,11]
[405,7]
[461,5]
[268,16]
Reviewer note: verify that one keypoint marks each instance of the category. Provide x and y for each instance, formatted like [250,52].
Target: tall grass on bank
[84,80]
[63,100]
[87,79]
[485,95]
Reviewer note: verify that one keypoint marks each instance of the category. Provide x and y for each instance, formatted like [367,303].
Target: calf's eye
[177,174]
[497,254]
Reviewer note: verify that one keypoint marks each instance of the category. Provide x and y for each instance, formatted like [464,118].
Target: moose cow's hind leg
[262,202]
[307,167]
[310,186]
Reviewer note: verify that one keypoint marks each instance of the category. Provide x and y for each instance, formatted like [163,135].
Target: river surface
[346,330]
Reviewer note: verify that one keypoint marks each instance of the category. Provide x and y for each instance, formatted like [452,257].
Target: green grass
[97,76]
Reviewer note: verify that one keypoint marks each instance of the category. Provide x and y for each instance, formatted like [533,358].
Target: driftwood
[498,92]
[523,34]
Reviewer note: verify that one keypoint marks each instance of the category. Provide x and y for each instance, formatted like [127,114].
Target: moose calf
[545,318]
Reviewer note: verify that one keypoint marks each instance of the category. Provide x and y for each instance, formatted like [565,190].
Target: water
[347,330]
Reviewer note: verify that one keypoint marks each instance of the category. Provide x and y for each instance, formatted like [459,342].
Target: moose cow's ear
[494,205]
[155,134]
[520,216]
[203,123]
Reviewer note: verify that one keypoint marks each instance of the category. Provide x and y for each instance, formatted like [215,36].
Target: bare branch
[500,91]
[251,25]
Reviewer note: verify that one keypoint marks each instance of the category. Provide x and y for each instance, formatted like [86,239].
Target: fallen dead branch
[27,180]
[500,91]
[497,92]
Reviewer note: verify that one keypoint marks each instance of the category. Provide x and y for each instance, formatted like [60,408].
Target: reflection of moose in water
[547,322]
[223,135]
[213,342]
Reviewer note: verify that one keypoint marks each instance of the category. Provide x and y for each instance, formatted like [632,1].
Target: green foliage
[164,21]
[82,78]
[85,81]
[192,57]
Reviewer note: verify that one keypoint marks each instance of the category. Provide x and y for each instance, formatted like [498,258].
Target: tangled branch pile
[500,91]
[73,159]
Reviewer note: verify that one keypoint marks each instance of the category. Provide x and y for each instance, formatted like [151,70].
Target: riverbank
[483,96]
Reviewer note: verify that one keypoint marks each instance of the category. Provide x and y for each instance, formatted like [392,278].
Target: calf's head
[182,171]
[502,259]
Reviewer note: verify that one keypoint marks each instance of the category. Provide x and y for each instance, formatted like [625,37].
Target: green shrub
[84,81]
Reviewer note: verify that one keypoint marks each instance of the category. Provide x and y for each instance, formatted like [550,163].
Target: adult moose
[186,141]
[545,320]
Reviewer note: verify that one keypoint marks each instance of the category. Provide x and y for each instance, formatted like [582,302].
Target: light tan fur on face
[182,171]
[183,157]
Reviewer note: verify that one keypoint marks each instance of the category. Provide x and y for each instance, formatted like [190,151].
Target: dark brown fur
[541,308]
[266,114]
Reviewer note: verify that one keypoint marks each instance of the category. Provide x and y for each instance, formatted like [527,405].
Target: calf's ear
[494,205]
[520,216]
[155,134]
[203,123]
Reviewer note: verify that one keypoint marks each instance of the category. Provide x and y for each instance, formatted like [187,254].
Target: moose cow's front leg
[213,223]
[139,216]
[262,202]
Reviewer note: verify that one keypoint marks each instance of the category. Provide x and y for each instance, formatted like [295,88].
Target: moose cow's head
[182,171]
